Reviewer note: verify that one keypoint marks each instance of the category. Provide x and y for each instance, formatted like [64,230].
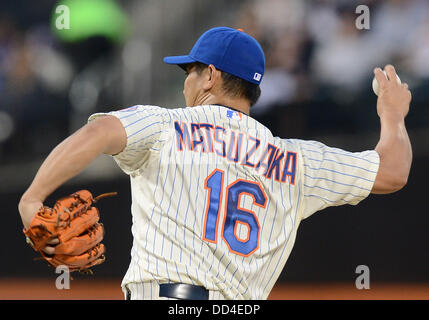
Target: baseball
[375,86]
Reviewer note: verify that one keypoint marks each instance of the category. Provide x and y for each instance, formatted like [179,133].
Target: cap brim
[179,60]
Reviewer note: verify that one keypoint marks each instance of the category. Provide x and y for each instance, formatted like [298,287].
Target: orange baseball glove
[74,221]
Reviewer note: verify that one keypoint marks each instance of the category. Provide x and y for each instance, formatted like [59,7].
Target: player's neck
[237,104]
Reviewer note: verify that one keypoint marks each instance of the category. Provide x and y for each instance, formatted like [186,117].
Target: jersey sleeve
[333,177]
[145,127]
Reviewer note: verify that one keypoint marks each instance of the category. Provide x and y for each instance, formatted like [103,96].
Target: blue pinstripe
[322,198]
[337,182]
[343,154]
[218,267]
[342,173]
[239,232]
[227,183]
[127,116]
[337,150]
[178,206]
[187,209]
[216,245]
[267,206]
[145,138]
[344,164]
[243,258]
[160,218]
[257,136]
[189,192]
[196,201]
[177,270]
[148,126]
[201,227]
[288,237]
[140,119]
[153,210]
[342,193]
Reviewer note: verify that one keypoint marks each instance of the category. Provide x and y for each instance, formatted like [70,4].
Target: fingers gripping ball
[74,221]
[375,86]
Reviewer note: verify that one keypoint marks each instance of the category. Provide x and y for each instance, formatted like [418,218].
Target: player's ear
[213,76]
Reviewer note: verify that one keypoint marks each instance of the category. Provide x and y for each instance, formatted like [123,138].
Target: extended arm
[103,135]
[394,147]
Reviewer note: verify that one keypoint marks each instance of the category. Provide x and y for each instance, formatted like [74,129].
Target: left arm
[69,158]
[394,147]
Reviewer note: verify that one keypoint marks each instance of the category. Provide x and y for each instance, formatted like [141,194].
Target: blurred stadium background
[317,86]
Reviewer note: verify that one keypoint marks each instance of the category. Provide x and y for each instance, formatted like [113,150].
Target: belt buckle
[183,291]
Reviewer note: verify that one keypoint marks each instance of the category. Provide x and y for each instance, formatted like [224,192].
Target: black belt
[183,291]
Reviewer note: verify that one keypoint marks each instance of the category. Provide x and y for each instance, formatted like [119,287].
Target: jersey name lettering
[238,147]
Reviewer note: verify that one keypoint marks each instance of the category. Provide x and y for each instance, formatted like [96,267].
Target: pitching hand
[394,98]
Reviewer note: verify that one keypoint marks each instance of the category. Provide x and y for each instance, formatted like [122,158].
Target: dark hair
[235,86]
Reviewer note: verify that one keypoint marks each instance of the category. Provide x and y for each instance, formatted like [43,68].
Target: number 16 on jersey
[234,215]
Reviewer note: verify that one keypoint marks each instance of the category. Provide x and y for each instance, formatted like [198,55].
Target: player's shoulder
[202,113]
[146,111]
[169,114]
[141,107]
[301,144]
[289,144]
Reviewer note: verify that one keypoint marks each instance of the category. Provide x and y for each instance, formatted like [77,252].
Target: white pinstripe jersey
[217,200]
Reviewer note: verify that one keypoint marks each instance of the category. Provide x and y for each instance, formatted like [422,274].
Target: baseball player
[216,198]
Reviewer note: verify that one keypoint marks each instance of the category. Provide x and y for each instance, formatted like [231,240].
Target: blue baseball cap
[230,50]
